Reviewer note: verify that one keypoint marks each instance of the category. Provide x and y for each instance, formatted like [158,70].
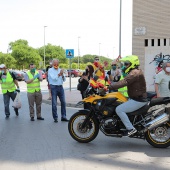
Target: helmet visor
[126,63]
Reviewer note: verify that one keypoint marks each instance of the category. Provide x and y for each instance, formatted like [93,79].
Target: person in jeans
[136,85]
[56,78]
[33,78]
[8,83]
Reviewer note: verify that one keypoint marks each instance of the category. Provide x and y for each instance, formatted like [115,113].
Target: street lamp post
[78,54]
[44,46]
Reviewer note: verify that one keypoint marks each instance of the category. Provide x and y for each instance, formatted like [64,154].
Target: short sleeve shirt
[163,81]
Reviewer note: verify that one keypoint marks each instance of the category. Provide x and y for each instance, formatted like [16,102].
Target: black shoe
[130,132]
[40,118]
[32,119]
[64,119]
[7,116]
[56,120]
[16,111]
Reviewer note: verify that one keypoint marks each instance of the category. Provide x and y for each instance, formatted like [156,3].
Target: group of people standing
[33,77]
[97,69]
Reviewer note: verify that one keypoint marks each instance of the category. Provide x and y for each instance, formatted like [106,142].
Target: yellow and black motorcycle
[152,121]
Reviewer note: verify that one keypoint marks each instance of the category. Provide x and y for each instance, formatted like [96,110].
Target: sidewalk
[72,98]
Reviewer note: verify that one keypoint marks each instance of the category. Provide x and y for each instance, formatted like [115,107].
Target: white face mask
[167,69]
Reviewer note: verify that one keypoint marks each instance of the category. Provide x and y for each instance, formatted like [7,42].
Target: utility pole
[78,54]
[44,46]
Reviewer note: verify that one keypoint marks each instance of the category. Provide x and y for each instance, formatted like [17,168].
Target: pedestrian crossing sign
[69,53]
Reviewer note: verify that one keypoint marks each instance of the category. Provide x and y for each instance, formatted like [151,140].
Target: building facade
[151,35]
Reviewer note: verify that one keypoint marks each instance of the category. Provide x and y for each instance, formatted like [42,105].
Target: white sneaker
[131,132]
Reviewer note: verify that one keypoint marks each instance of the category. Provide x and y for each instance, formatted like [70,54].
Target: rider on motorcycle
[136,88]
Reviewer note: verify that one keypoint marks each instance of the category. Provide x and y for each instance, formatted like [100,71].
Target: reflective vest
[123,90]
[33,86]
[9,84]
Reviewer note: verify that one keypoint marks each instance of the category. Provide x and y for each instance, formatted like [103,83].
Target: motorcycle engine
[109,123]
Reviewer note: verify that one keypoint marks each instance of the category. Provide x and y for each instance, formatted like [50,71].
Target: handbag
[79,86]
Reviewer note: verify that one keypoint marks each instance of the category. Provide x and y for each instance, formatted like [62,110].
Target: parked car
[74,73]
[19,75]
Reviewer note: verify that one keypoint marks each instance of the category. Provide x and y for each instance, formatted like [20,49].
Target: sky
[91,25]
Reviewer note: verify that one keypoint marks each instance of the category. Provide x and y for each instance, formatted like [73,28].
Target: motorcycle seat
[159,100]
[140,111]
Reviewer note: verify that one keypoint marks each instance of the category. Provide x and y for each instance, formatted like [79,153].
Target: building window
[146,42]
[159,42]
[152,42]
[164,42]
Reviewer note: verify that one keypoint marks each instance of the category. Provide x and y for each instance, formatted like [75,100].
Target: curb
[59,104]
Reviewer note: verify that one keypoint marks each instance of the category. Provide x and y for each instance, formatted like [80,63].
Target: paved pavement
[72,98]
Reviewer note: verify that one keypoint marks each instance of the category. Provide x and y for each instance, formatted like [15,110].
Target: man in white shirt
[162,81]
[56,78]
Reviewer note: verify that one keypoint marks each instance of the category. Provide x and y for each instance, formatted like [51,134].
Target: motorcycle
[152,121]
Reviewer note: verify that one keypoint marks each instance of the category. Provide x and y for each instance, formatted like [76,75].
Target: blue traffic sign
[69,53]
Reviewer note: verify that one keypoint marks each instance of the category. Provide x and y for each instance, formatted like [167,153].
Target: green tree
[8,60]
[24,54]
[51,52]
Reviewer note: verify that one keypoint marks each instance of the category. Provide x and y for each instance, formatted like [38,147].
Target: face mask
[123,71]
[2,71]
[55,66]
[87,71]
[114,67]
[167,69]
[33,70]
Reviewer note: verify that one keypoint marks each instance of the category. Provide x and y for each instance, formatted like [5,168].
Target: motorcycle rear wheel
[88,133]
[159,137]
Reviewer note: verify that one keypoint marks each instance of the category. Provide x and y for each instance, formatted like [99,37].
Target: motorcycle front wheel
[159,137]
[85,134]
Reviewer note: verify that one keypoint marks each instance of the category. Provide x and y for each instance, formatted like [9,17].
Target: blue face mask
[114,67]
[123,71]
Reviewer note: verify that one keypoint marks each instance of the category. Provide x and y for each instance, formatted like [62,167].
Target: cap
[2,66]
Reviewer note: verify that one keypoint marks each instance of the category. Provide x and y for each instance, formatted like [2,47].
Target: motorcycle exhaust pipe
[157,122]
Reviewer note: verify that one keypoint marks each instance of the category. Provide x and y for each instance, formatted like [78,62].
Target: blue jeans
[58,91]
[127,107]
[6,98]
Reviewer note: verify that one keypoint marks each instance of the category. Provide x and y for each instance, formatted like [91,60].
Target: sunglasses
[113,65]
[96,59]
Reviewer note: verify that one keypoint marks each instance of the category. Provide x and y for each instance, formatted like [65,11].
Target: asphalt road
[45,145]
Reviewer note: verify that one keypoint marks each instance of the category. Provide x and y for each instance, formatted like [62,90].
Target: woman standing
[84,81]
